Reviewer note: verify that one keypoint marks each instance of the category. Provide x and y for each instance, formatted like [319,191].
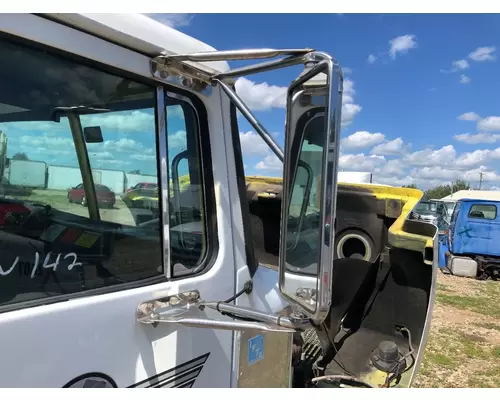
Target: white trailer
[90,297]
[355,177]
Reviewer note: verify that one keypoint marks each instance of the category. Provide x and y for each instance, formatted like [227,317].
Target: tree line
[441,191]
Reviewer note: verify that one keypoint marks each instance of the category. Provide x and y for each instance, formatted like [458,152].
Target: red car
[104,195]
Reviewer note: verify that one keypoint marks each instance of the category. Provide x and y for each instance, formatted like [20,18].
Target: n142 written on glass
[36,268]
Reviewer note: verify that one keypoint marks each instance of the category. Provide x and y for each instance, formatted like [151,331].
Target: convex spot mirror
[312,134]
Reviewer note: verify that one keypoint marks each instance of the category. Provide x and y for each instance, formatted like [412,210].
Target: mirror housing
[93,134]
[312,136]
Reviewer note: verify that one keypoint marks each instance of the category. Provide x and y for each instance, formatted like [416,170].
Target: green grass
[458,354]
[488,325]
[489,377]
[443,288]
[495,351]
[441,359]
[485,305]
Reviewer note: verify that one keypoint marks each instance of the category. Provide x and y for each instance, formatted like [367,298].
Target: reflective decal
[255,349]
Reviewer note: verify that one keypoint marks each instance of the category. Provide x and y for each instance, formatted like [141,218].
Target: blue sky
[420,105]
[402,108]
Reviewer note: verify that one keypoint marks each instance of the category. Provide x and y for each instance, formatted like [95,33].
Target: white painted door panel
[50,345]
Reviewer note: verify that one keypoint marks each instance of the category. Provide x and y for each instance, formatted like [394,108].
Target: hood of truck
[398,203]
[403,233]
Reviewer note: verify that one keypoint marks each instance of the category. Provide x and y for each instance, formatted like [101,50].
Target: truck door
[73,276]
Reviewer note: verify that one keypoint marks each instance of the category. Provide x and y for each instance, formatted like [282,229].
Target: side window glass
[483,211]
[56,115]
[188,219]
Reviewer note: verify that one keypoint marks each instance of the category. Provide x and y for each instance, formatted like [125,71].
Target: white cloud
[121,145]
[402,44]
[134,122]
[460,65]
[393,168]
[173,20]
[361,140]
[489,124]
[177,140]
[391,147]
[435,175]
[483,54]
[425,168]
[360,162]
[469,116]
[261,96]
[457,65]
[464,79]
[476,138]
[253,144]
[45,145]
[371,59]
[346,70]
[443,156]
[270,163]
[349,108]
[476,158]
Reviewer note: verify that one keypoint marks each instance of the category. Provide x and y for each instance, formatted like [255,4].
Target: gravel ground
[464,343]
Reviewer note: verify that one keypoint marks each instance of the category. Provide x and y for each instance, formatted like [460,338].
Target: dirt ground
[464,343]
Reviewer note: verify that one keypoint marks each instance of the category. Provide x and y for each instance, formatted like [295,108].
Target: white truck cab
[102,285]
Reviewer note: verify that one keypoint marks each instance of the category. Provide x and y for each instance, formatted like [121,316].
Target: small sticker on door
[255,349]
[86,239]
[52,232]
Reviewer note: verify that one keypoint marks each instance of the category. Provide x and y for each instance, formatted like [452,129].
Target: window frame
[207,183]
[200,111]
[250,254]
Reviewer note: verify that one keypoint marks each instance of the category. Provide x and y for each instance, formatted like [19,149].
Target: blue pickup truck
[470,246]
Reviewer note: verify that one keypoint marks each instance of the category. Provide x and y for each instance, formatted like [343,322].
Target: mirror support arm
[187,309]
[85,168]
[275,147]
[261,67]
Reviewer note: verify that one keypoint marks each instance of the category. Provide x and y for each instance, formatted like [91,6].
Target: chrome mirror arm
[188,310]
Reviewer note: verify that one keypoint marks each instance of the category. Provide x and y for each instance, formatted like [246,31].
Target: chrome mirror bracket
[188,309]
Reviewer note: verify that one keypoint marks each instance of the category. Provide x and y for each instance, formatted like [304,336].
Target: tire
[354,244]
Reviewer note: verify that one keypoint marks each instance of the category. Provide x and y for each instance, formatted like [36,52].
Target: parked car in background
[142,195]
[426,211]
[449,205]
[143,185]
[105,196]
[432,211]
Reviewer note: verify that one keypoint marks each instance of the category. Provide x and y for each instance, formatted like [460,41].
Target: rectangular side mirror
[93,134]
[312,135]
